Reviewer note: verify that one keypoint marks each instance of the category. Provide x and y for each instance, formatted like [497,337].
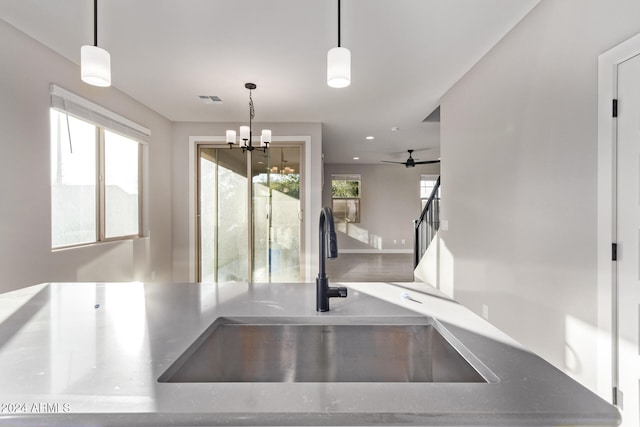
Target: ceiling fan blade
[424,162]
[389,161]
[397,153]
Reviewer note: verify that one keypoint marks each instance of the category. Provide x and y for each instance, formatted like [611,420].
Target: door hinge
[615,108]
[617,397]
[614,252]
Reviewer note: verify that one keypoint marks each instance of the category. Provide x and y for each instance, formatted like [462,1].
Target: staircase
[427,225]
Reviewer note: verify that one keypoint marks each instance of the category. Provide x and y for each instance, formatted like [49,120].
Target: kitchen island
[78,354]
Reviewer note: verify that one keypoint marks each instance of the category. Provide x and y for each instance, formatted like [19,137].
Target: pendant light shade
[95,62]
[95,66]
[339,67]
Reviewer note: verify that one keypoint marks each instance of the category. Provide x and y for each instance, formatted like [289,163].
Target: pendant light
[95,63]
[339,63]
[246,132]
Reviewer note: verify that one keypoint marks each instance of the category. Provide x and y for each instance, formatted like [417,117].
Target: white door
[628,238]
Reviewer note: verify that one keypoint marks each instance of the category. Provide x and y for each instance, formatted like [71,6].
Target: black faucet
[327,234]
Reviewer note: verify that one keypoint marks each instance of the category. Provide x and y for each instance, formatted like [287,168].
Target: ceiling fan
[411,162]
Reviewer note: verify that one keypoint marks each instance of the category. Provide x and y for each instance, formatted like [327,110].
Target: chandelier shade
[231,137]
[265,138]
[245,134]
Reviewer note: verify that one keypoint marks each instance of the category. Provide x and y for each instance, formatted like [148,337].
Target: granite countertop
[78,354]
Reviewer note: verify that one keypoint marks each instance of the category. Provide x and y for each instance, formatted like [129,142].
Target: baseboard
[375,251]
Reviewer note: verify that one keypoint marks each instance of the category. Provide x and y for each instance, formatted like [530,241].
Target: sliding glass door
[249,226]
[223,216]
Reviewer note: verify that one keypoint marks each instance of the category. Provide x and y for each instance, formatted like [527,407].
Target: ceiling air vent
[210,99]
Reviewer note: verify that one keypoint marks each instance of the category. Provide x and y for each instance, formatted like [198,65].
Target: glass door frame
[218,143]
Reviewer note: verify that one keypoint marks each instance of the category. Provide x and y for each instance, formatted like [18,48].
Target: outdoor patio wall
[519,170]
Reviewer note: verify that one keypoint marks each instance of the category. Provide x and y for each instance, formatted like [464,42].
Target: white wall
[25,201]
[436,266]
[183,262]
[519,169]
[389,202]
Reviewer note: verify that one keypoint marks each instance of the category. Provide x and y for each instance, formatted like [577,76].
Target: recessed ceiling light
[395,129]
[356,158]
[370,138]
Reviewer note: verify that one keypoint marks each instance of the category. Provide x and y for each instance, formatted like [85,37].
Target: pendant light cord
[338,22]
[95,23]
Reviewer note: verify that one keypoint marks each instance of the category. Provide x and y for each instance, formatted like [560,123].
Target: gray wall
[25,214]
[389,203]
[519,135]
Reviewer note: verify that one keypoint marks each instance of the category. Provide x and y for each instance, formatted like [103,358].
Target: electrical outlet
[395,242]
[404,241]
[485,311]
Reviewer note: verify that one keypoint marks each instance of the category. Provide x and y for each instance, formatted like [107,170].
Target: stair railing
[427,225]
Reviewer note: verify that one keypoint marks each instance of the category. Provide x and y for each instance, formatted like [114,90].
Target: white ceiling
[405,55]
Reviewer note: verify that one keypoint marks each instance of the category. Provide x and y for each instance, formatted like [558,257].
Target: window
[427,182]
[345,195]
[73,182]
[95,182]
[121,185]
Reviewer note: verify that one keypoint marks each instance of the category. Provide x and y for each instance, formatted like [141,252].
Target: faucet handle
[333,245]
[339,292]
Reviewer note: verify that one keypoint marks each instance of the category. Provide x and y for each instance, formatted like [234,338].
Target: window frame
[102,188]
[358,200]
[426,177]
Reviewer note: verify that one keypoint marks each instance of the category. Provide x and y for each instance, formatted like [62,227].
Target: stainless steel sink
[317,349]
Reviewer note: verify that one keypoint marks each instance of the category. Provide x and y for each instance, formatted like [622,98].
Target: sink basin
[316,349]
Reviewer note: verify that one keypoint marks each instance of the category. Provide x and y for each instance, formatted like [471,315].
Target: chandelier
[246,132]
